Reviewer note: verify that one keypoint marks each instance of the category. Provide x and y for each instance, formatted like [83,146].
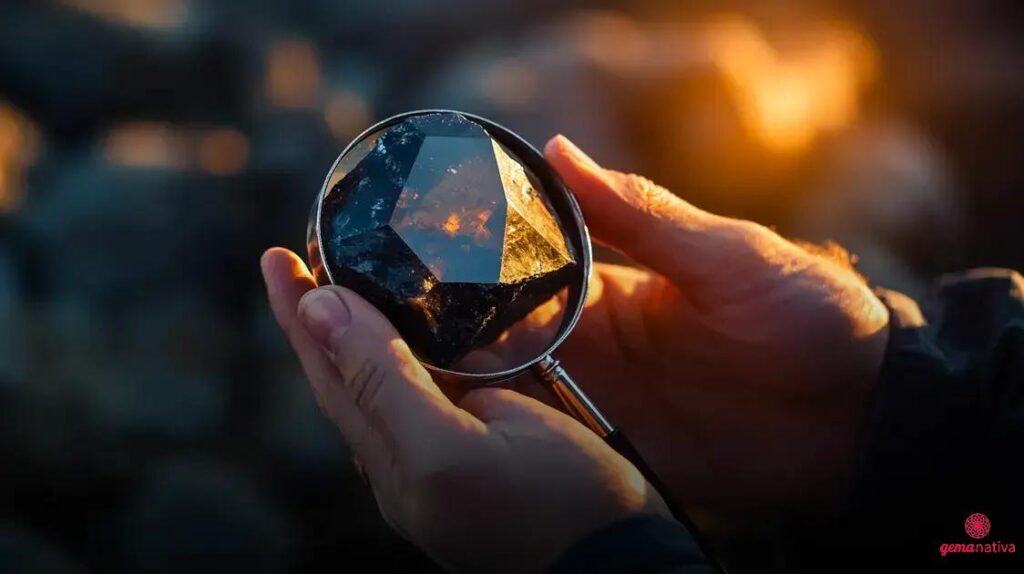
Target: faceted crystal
[442,229]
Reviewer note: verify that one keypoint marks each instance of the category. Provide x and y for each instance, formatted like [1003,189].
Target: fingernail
[576,153]
[325,315]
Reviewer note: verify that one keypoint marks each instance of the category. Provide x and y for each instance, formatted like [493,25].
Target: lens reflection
[438,224]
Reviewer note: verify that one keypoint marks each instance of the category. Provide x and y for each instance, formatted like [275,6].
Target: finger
[627,312]
[678,240]
[513,414]
[287,280]
[379,376]
[493,404]
[521,420]
[482,361]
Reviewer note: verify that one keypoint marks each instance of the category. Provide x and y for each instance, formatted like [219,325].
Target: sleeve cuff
[647,543]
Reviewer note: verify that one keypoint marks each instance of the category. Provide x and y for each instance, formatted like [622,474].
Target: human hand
[498,483]
[742,366]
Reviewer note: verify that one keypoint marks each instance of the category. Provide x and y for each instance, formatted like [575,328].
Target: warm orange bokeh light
[787,97]
[223,151]
[788,86]
[19,143]
[346,114]
[141,13]
[146,144]
[293,74]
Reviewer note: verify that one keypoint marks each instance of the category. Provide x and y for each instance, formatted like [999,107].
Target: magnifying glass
[461,234]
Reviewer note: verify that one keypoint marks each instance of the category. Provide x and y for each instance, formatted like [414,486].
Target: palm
[731,396]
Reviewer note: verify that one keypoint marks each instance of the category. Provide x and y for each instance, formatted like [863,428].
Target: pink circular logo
[977,525]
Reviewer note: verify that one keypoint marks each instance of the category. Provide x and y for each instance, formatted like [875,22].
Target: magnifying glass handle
[580,407]
[576,402]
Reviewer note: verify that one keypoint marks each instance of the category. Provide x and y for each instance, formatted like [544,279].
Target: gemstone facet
[436,224]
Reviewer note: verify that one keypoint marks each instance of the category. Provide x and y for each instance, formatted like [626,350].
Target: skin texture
[741,364]
[497,483]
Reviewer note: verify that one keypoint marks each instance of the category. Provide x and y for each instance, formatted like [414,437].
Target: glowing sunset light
[787,97]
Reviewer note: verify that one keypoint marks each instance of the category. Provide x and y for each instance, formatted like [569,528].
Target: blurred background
[151,416]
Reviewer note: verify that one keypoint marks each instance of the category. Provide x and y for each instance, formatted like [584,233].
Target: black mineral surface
[436,224]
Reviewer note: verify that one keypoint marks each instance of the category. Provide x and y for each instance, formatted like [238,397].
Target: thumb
[382,400]
[546,430]
[653,226]
[505,407]
[492,404]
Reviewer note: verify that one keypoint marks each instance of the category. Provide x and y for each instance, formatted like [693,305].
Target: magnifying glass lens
[441,227]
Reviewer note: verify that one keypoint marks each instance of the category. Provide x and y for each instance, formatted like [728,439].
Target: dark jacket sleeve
[646,544]
[945,436]
[947,433]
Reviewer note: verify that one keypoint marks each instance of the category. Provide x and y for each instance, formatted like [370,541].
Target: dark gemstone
[438,226]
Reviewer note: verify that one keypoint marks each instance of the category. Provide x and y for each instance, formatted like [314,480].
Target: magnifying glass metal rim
[544,361]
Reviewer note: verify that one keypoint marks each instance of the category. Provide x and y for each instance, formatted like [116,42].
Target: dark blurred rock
[291,426]
[161,407]
[191,72]
[21,552]
[197,517]
[293,142]
[294,429]
[123,388]
[158,376]
[113,234]
[13,361]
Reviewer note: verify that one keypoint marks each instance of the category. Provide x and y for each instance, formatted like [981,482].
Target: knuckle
[403,363]
[648,196]
[745,236]
[756,228]
[746,230]
[365,384]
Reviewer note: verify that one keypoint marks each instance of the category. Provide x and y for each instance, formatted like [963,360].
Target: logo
[977,526]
